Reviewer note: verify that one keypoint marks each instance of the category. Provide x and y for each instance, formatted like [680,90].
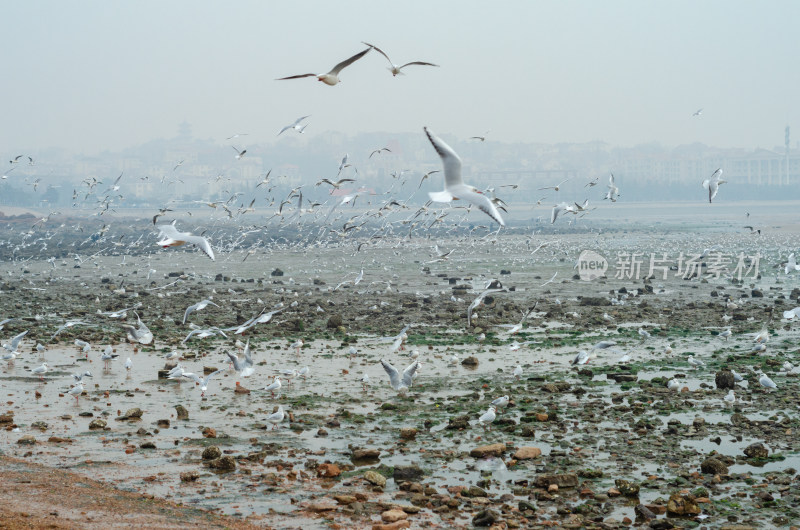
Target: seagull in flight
[197,307]
[454,187]
[173,238]
[332,77]
[296,125]
[555,188]
[698,112]
[395,69]
[398,382]
[239,154]
[712,184]
[202,382]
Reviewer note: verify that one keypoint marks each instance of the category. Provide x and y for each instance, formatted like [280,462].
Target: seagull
[712,184]
[673,384]
[4,322]
[613,190]
[453,361]
[478,301]
[297,345]
[554,188]
[108,355]
[725,334]
[40,371]
[395,69]
[738,378]
[79,377]
[304,371]
[583,357]
[401,384]
[173,238]
[295,125]
[766,382]
[274,386]
[698,112]
[128,364]
[245,366]
[239,154]
[197,307]
[332,77]
[202,382]
[557,209]
[76,391]
[730,397]
[644,334]
[500,403]
[336,184]
[603,344]
[276,417]
[364,381]
[40,348]
[791,265]
[697,363]
[517,373]
[487,418]
[12,345]
[454,185]
[142,334]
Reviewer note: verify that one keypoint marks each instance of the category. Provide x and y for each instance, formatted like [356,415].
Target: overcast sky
[95,75]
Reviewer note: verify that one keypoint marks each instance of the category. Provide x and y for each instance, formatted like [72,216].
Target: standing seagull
[395,69]
[712,184]
[332,77]
[173,238]
[40,371]
[454,187]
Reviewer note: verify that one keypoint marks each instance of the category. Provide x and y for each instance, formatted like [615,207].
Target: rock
[209,432]
[488,450]
[622,378]
[164,424]
[366,454]
[595,301]
[724,379]
[328,470]
[393,515]
[474,491]
[485,518]
[470,361]
[681,505]
[276,272]
[459,422]
[58,440]
[147,445]
[627,488]
[225,463]
[97,424]
[7,418]
[392,526]
[713,466]
[345,499]
[408,433]
[407,473]
[322,432]
[756,450]
[525,505]
[132,414]
[755,293]
[526,453]
[643,513]
[28,439]
[40,425]
[183,414]
[563,480]
[212,452]
[334,321]
[190,476]
[240,389]
[528,431]
[375,478]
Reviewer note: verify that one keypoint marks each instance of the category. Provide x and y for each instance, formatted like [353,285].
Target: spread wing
[450,160]
[416,62]
[296,77]
[379,51]
[391,371]
[408,373]
[483,203]
[342,65]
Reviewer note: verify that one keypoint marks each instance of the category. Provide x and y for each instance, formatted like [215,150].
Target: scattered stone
[164,424]
[526,453]
[239,389]
[147,445]
[474,491]
[366,454]
[756,450]
[209,432]
[212,452]
[488,450]
[470,361]
[407,473]
[393,515]
[276,272]
[328,470]
[224,463]
[408,433]
[334,321]
[392,526]
[7,418]
[183,414]
[40,425]
[346,500]
[190,476]
[563,480]
[376,478]
[131,414]
[627,488]
[682,505]
[724,379]
[485,518]
[58,440]
[713,466]
[28,439]
[97,424]
[459,422]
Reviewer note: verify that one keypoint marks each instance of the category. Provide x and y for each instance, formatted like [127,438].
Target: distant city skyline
[94,76]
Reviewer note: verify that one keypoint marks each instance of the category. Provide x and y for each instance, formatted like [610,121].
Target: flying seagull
[296,125]
[173,238]
[332,77]
[454,187]
[713,184]
[395,69]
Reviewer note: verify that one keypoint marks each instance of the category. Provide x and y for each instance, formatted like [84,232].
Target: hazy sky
[95,75]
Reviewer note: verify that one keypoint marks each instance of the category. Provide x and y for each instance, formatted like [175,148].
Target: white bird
[297,345]
[202,382]
[673,384]
[697,363]
[712,184]
[582,357]
[128,364]
[626,358]
[40,371]
[613,190]
[554,188]
[557,209]
[398,382]
[603,344]
[500,403]
[725,334]
[698,112]
[244,366]
[14,342]
[791,265]
[76,391]
[487,418]
[478,301]
[730,397]
[274,386]
[454,187]
[332,77]
[364,381]
[295,125]
[644,334]
[108,355]
[395,69]
[453,361]
[304,371]
[173,238]
[792,313]
[517,373]
[140,334]
[79,377]
[737,377]
[197,307]
[766,382]
[40,348]
[276,417]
